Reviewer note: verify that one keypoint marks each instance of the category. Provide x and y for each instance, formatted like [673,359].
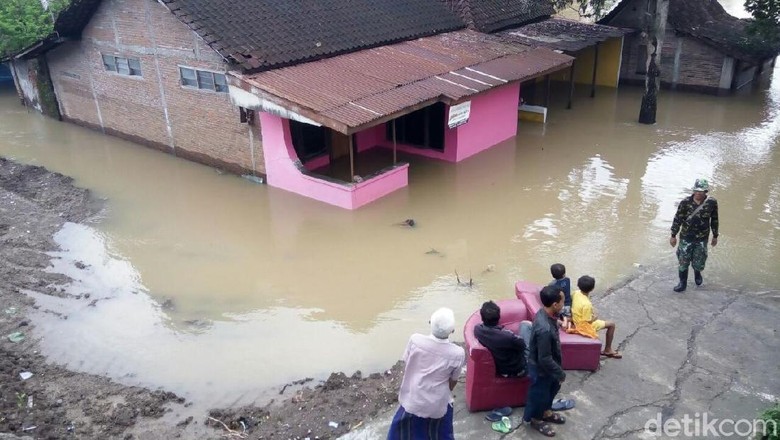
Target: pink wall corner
[380,186]
[370,138]
[282,172]
[493,120]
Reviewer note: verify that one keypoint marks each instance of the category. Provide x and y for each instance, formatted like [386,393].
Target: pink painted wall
[371,137]
[493,119]
[282,173]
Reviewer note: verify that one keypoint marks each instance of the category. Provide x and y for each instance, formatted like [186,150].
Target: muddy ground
[57,403]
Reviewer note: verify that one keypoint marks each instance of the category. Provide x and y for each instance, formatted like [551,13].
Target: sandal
[555,418]
[498,413]
[504,425]
[562,404]
[613,355]
[545,429]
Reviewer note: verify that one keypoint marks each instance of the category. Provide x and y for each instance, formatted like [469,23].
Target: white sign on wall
[459,114]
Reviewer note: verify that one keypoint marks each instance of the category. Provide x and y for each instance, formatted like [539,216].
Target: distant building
[704,48]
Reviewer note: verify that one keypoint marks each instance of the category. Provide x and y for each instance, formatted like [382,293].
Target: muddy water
[221,289]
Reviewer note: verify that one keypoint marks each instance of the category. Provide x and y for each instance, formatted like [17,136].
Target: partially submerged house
[315,98]
[704,48]
[596,49]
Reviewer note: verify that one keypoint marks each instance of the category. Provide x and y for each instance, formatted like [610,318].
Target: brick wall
[153,109]
[700,65]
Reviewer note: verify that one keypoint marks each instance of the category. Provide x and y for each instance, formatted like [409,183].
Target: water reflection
[248,286]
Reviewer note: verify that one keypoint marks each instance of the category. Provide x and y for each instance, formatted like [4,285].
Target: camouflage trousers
[692,253]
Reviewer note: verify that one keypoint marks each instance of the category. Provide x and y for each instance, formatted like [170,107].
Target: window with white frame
[122,66]
[203,79]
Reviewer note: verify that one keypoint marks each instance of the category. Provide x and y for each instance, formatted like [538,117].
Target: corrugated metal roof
[562,34]
[350,92]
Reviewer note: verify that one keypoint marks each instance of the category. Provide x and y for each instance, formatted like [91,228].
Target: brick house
[309,111]
[704,48]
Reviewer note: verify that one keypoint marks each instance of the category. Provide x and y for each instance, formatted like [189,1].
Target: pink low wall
[493,119]
[282,173]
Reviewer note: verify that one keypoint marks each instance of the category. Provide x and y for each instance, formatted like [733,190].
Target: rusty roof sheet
[353,90]
[562,34]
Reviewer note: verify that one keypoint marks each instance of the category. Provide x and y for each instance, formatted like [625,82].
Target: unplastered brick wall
[699,66]
[153,109]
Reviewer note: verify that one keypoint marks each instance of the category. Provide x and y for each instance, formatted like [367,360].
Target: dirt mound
[325,411]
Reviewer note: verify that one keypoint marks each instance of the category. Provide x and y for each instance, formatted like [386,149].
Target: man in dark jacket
[544,363]
[696,216]
[508,349]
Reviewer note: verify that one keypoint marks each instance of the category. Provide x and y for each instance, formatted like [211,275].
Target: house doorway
[423,128]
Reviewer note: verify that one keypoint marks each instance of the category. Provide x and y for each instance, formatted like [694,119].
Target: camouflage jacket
[696,228]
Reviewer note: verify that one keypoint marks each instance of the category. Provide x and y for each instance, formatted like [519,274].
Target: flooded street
[222,290]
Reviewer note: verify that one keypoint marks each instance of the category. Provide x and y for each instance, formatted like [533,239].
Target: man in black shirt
[508,349]
[544,363]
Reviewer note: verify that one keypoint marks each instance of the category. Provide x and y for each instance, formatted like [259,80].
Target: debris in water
[254,179]
[408,222]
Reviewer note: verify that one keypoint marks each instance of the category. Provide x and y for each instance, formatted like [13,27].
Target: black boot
[683,281]
[697,277]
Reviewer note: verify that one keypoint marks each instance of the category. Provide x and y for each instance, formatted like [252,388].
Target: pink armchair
[484,388]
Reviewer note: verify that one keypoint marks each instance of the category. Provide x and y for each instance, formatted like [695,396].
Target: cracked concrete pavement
[713,349]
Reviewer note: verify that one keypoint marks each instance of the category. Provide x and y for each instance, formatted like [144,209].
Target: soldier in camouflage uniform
[696,215]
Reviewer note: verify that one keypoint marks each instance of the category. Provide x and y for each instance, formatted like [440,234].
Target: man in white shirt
[433,365]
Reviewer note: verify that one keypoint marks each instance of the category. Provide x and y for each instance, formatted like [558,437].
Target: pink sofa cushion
[578,352]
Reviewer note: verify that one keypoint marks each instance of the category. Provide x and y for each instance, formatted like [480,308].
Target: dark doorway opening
[423,128]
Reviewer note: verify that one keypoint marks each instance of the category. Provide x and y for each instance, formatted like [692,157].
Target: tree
[764,29]
[23,22]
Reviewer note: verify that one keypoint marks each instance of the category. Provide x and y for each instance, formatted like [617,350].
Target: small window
[188,77]
[109,62]
[135,67]
[203,79]
[122,66]
[220,83]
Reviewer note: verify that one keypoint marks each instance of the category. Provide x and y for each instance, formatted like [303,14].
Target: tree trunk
[655,28]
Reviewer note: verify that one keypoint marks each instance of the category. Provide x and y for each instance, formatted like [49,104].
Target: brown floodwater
[221,289]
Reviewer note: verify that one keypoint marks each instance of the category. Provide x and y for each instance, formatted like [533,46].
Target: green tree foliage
[765,27]
[770,416]
[23,22]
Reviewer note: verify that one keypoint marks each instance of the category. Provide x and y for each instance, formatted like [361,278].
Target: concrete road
[712,351]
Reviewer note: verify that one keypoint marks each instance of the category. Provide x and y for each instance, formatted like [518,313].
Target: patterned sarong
[407,426]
